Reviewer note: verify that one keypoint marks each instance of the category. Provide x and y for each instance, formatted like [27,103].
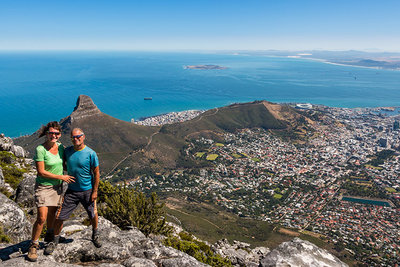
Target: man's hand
[93,196]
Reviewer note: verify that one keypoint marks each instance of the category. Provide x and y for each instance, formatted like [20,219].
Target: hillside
[136,148]
[111,138]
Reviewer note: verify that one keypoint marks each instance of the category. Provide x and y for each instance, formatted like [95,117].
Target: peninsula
[204,67]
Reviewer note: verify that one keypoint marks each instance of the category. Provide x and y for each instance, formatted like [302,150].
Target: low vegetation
[12,174]
[3,237]
[195,248]
[125,207]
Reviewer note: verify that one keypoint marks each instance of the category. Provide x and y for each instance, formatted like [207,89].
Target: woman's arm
[46,174]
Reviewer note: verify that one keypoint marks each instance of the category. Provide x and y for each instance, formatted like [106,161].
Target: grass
[390,190]
[199,154]
[236,155]
[219,144]
[212,156]
[278,196]
[373,167]
[212,223]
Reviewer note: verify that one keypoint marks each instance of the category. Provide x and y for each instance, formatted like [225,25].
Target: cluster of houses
[299,185]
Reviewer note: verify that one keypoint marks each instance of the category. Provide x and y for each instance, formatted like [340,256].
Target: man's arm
[96,181]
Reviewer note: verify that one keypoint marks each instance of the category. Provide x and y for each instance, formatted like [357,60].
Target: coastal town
[340,183]
[168,118]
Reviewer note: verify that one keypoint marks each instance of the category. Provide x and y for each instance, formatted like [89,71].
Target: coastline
[346,65]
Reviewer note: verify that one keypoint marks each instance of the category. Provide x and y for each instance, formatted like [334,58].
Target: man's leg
[70,202]
[95,233]
[91,209]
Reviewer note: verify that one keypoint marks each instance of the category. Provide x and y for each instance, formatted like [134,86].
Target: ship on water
[148,98]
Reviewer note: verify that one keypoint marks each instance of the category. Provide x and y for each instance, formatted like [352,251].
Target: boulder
[13,220]
[18,151]
[239,253]
[7,144]
[26,191]
[300,253]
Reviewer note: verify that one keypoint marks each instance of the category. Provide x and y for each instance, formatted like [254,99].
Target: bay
[37,87]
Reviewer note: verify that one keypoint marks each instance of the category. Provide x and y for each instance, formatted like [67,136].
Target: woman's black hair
[45,129]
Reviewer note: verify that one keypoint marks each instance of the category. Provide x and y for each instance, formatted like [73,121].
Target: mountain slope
[111,138]
[121,144]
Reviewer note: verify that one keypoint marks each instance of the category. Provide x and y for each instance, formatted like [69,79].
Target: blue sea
[37,87]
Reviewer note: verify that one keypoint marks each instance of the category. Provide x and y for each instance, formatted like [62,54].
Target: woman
[48,188]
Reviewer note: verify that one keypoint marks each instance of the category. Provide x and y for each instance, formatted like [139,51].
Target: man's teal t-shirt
[79,165]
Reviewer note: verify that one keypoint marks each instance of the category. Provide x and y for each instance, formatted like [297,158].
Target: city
[300,185]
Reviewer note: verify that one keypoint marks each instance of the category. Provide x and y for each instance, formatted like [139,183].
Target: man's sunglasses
[55,133]
[76,136]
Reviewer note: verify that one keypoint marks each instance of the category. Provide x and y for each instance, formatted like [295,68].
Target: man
[83,164]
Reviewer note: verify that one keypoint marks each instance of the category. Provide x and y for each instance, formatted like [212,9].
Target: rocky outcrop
[84,108]
[240,253]
[7,144]
[298,253]
[120,248]
[13,220]
[26,191]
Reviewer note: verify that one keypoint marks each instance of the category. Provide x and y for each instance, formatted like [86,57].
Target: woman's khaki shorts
[48,195]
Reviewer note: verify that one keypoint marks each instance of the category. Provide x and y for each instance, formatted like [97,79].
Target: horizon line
[197,50]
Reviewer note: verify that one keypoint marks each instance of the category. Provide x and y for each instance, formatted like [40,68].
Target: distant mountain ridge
[130,146]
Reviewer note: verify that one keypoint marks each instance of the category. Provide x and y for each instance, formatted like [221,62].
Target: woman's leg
[40,220]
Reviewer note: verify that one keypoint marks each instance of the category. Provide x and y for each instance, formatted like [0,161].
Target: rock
[18,151]
[120,248]
[84,108]
[13,220]
[5,185]
[300,253]
[239,253]
[26,191]
[43,261]
[1,177]
[138,262]
[7,144]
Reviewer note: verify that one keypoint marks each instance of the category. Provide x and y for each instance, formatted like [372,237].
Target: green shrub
[5,192]
[197,249]
[3,237]
[125,207]
[12,174]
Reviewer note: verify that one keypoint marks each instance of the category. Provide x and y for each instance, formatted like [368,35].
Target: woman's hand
[68,178]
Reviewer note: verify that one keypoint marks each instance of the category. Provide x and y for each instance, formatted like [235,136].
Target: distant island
[204,67]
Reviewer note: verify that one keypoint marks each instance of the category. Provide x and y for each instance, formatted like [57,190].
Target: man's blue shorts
[71,200]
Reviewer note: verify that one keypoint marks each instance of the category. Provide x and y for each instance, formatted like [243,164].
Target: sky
[368,25]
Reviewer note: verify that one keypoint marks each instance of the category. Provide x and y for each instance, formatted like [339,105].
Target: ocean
[37,87]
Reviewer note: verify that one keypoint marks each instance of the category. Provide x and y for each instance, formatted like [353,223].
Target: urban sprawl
[341,182]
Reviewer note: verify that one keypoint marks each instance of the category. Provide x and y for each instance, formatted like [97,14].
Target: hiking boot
[96,240]
[32,252]
[51,246]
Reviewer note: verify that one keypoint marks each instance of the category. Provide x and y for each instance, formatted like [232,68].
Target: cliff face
[84,109]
